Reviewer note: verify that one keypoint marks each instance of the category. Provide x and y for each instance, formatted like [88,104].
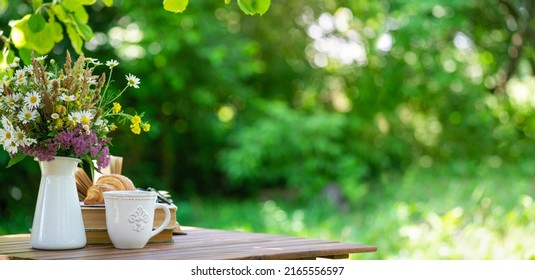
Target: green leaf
[73,3]
[108,3]
[36,4]
[16,159]
[43,41]
[76,40]
[81,14]
[175,6]
[252,7]
[22,37]
[25,55]
[227,2]
[58,31]
[83,29]
[36,22]
[60,13]
[18,34]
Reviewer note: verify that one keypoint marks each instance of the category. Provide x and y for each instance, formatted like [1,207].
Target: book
[94,218]
[101,237]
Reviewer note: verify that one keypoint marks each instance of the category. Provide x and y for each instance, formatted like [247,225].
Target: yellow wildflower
[116,107]
[113,127]
[136,120]
[60,109]
[135,128]
[145,126]
[59,123]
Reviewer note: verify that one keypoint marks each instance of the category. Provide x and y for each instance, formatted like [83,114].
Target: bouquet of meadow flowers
[48,111]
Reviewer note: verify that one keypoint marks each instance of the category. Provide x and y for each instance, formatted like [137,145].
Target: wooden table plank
[199,243]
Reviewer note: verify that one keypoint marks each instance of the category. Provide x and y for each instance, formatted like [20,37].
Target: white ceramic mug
[130,216]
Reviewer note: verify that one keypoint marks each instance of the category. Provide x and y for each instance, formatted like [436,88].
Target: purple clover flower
[44,151]
[75,143]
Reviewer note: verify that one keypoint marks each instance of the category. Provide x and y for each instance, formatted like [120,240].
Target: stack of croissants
[91,192]
[109,182]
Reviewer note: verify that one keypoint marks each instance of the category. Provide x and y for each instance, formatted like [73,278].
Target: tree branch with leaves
[40,30]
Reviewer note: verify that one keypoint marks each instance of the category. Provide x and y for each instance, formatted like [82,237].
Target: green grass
[461,211]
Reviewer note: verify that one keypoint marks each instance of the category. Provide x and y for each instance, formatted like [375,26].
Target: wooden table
[199,243]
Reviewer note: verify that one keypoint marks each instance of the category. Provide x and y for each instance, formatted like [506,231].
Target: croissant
[121,182]
[94,194]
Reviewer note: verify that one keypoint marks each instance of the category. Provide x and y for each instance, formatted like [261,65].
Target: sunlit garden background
[408,125]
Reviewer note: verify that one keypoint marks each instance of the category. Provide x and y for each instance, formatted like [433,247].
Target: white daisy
[6,135]
[21,139]
[85,116]
[132,80]
[112,63]
[6,123]
[15,63]
[75,117]
[28,68]
[100,122]
[92,60]
[32,100]
[20,77]
[41,58]
[29,141]
[10,147]
[27,115]
[11,102]
[6,79]
[54,116]
[18,136]
[67,98]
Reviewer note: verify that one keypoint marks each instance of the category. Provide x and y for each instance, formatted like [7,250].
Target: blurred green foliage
[459,211]
[315,94]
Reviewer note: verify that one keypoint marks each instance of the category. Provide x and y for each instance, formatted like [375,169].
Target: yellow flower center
[85,120]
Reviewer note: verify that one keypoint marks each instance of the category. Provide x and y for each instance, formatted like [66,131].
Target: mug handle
[166,221]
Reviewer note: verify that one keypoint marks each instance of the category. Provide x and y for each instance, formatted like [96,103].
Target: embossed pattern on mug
[139,218]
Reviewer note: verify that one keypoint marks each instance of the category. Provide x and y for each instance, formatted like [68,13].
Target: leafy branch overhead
[249,7]
[41,30]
